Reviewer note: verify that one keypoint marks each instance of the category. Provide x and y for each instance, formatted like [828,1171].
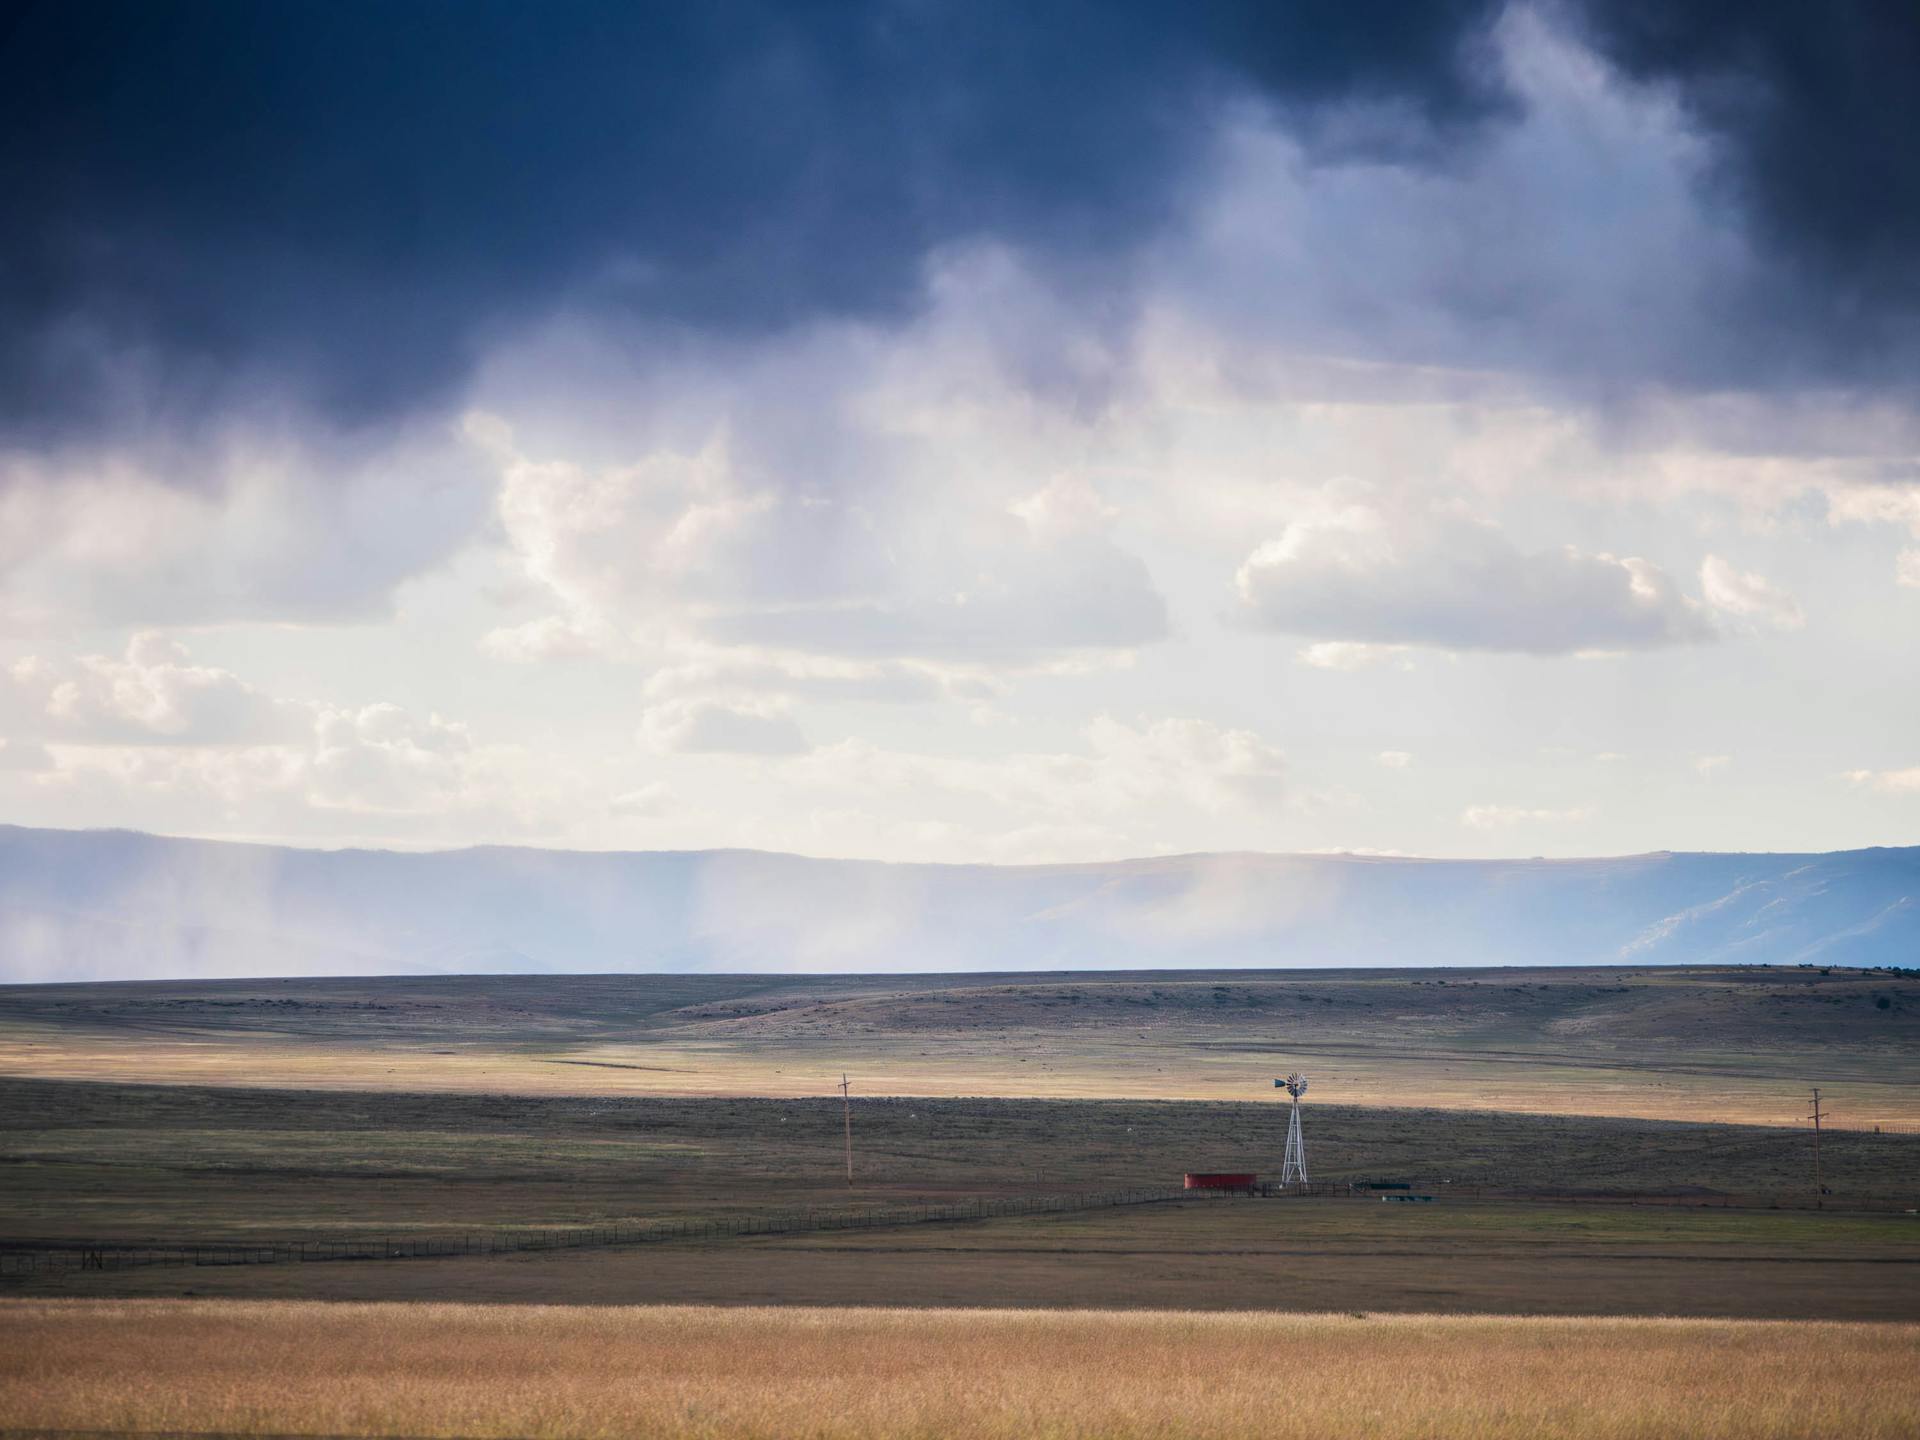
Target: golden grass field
[463,1370]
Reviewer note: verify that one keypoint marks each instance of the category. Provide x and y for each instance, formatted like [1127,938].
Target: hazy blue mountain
[83,905]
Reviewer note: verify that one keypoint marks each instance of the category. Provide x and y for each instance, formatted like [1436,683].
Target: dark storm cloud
[345,201]
[1814,111]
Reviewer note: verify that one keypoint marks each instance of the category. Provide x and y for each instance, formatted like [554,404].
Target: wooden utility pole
[846,1110]
[1819,1190]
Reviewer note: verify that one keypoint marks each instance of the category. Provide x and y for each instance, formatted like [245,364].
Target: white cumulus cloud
[1346,654]
[1748,596]
[1496,817]
[709,727]
[1370,572]
[261,522]
[151,694]
[1888,782]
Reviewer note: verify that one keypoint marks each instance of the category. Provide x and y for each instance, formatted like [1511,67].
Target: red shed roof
[1219,1180]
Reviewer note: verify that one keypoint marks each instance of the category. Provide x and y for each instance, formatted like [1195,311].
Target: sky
[963,431]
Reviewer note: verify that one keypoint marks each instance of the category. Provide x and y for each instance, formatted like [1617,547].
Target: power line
[1817,1115]
[846,1106]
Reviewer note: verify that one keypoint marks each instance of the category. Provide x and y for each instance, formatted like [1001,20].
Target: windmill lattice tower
[1293,1169]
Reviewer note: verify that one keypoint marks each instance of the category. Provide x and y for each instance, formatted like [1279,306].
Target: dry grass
[1726,1044]
[686,1371]
[104,1162]
[1017,1063]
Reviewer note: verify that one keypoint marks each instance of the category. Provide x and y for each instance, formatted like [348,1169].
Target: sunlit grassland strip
[460,1370]
[1037,1064]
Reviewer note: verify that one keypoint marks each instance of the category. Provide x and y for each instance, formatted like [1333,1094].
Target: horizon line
[1146,859]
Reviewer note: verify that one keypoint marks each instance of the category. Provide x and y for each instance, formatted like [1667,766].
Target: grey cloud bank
[961,432]
[346,201]
[345,206]
[90,905]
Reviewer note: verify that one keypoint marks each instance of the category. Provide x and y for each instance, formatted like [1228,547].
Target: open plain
[678,1371]
[1533,1214]
[1615,1156]
[1722,1043]
[421,1109]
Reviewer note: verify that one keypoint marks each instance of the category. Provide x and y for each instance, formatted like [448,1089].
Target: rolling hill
[88,905]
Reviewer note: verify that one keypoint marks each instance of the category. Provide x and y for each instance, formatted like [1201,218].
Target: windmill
[1294,1167]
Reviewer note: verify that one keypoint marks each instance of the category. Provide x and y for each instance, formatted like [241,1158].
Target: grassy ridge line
[1683,1043]
[858,1374]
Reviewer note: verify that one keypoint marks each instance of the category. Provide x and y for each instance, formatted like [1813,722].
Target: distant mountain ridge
[94,905]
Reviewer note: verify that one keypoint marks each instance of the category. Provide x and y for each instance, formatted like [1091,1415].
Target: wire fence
[1833,1201]
[23,1259]
[20,1260]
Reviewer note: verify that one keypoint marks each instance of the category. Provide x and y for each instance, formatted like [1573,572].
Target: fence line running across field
[19,1260]
[81,1255]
